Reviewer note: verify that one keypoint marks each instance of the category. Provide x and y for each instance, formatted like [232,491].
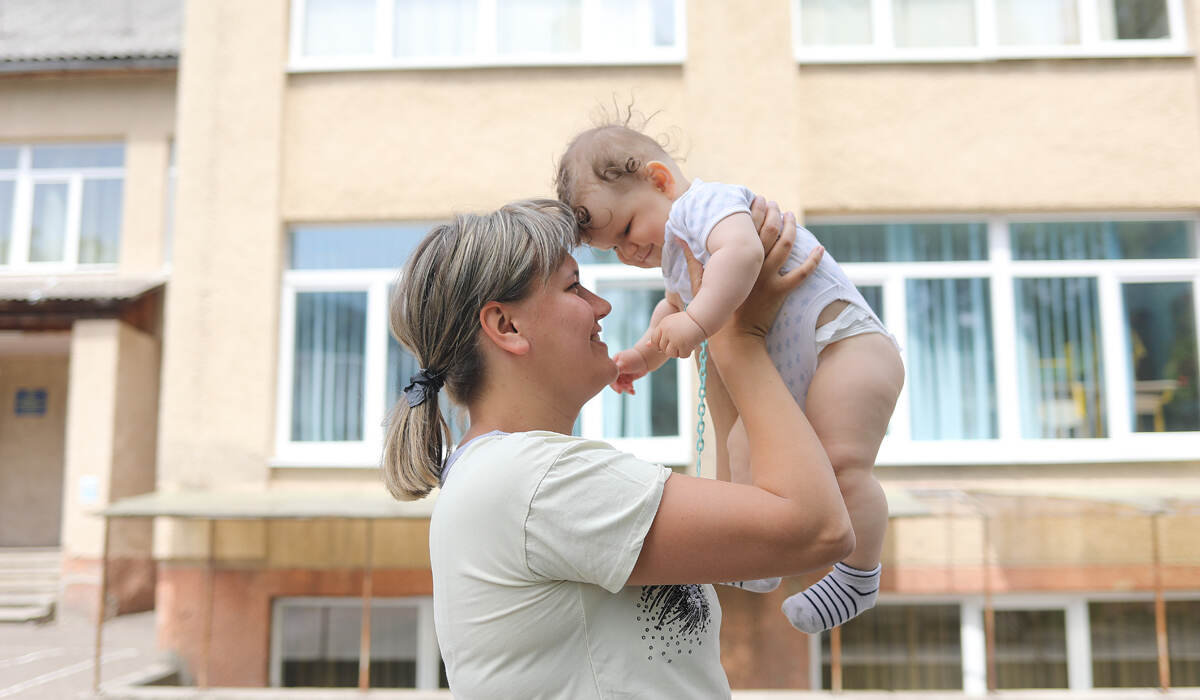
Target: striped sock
[756,585]
[843,594]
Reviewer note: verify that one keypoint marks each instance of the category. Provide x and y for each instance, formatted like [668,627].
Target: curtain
[7,188]
[1160,323]
[654,409]
[339,27]
[1031,649]
[328,373]
[903,242]
[934,22]
[1103,240]
[48,236]
[435,27]
[1037,22]
[538,26]
[1133,19]
[1059,360]
[100,221]
[950,364]
[835,22]
[899,647]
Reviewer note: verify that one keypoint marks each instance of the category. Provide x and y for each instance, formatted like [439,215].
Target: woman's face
[562,323]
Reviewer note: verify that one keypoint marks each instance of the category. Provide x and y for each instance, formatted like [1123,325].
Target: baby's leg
[849,404]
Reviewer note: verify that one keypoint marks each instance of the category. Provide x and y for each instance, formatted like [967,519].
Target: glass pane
[350,247]
[538,26]
[393,647]
[632,25]
[48,231]
[1161,344]
[903,242]
[654,410]
[585,255]
[435,27]
[7,187]
[1037,22]
[320,645]
[100,221]
[339,27]
[1134,19]
[874,296]
[835,22]
[952,380]
[8,157]
[79,155]
[1103,240]
[1031,649]
[327,380]
[1124,647]
[1183,642]
[921,23]
[401,367]
[899,647]
[664,22]
[1059,363]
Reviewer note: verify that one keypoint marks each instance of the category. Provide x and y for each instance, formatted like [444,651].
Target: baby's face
[631,223]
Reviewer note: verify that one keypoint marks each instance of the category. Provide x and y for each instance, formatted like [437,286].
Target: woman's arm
[792,519]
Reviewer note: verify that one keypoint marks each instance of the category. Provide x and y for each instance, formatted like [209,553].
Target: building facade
[1014,185]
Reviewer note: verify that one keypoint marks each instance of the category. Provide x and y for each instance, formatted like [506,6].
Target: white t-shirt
[532,539]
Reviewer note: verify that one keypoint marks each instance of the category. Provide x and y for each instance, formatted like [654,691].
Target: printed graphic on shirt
[673,620]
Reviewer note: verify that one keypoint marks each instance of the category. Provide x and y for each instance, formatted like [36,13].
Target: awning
[35,289]
[277,504]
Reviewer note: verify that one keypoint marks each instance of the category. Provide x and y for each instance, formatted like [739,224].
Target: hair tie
[423,386]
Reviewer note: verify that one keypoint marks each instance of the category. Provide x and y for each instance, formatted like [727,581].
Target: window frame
[673,450]
[592,52]
[1009,447]
[972,638]
[25,178]
[428,652]
[987,46]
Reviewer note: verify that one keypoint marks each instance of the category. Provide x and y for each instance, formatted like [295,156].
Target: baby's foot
[843,594]
[757,585]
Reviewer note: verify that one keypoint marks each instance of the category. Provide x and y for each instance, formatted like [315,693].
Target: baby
[630,196]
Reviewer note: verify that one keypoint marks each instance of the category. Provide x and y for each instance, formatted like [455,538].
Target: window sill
[333,64]
[1145,447]
[975,55]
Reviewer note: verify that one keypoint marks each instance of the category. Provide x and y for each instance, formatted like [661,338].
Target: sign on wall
[30,402]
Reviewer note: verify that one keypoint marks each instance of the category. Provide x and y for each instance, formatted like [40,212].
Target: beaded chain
[701,409]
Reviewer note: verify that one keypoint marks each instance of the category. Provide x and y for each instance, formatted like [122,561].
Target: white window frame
[987,47]
[593,52]
[26,177]
[670,450]
[972,637]
[1009,447]
[428,652]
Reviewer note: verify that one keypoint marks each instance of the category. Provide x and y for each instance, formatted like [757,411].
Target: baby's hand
[677,335]
[631,366]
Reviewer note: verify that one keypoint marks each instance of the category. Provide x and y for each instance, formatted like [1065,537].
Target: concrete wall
[31,450]
[138,110]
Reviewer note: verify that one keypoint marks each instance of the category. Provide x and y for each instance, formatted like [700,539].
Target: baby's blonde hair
[612,155]
[456,269]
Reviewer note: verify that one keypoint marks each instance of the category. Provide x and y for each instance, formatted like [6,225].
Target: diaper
[853,320]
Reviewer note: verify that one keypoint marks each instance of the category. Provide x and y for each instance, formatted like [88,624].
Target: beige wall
[137,109]
[110,435]
[221,332]
[31,450]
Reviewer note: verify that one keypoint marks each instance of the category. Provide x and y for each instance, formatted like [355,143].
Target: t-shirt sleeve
[590,514]
[704,206]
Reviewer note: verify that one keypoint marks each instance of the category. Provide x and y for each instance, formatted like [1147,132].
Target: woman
[563,568]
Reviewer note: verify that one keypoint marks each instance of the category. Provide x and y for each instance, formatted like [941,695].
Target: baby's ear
[660,176]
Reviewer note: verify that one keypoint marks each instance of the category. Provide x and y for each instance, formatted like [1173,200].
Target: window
[60,206]
[341,371]
[1021,332]
[356,34]
[657,422]
[315,642]
[1040,642]
[899,30]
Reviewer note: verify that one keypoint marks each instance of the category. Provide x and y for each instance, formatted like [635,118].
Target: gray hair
[456,269]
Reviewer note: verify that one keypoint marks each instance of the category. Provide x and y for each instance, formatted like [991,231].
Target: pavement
[54,660]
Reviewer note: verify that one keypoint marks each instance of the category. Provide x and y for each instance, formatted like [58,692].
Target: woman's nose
[600,304]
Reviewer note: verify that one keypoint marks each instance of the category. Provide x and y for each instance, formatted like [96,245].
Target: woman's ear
[498,326]
[661,177]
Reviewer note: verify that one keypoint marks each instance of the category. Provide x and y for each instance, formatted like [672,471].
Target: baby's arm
[736,257]
[643,358]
